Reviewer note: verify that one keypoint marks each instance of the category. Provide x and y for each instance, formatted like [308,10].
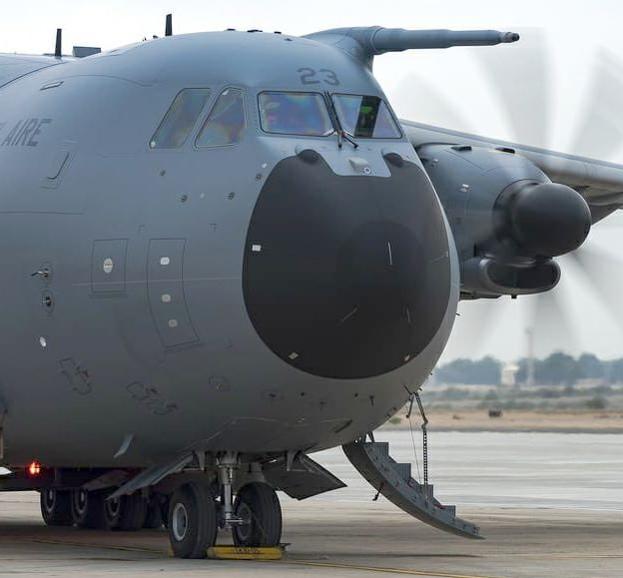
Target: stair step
[403,470]
[382,448]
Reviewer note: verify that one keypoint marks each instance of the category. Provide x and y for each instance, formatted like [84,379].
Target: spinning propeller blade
[599,133]
[520,78]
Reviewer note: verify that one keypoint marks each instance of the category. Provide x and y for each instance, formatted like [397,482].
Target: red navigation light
[34,469]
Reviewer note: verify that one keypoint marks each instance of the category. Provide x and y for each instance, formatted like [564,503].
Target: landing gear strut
[195,514]
[255,517]
[227,466]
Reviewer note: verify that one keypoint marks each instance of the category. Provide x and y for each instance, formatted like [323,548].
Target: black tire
[109,515]
[192,522]
[153,519]
[92,510]
[133,512]
[56,507]
[80,508]
[258,505]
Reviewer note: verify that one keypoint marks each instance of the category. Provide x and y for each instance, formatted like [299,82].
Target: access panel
[165,282]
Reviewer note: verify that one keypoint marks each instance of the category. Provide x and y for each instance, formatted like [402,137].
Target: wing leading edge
[599,182]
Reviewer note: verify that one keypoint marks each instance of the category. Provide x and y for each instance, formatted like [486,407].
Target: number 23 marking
[312,76]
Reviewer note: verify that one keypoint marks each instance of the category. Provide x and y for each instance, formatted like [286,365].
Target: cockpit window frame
[392,115]
[290,134]
[193,128]
[205,118]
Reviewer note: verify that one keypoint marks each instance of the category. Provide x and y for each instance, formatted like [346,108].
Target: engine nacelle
[508,219]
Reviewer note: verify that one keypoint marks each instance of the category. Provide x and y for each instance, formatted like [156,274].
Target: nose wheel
[192,521]
[258,508]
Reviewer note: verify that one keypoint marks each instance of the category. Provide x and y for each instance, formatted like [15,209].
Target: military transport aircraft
[222,252]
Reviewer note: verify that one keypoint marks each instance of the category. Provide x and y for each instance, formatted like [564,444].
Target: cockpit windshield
[180,119]
[296,113]
[365,116]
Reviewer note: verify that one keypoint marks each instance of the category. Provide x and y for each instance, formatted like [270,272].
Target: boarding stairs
[394,481]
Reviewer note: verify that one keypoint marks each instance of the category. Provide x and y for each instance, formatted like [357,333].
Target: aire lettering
[25,132]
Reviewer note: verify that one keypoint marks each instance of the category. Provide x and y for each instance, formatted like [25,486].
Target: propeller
[519,79]
[599,132]
[597,266]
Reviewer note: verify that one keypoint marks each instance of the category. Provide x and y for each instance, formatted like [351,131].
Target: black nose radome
[346,277]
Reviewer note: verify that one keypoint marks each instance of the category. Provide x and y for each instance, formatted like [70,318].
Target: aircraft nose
[346,277]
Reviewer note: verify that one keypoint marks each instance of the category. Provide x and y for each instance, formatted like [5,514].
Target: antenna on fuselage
[58,50]
[168,28]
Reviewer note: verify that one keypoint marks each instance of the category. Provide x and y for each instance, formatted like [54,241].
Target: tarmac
[573,529]
[344,540]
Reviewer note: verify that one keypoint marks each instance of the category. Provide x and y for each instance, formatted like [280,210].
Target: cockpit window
[180,119]
[225,123]
[365,116]
[300,113]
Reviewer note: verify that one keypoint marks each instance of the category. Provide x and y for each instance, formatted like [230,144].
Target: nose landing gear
[195,514]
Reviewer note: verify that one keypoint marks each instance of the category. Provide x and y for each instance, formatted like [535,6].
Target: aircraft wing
[14,66]
[599,182]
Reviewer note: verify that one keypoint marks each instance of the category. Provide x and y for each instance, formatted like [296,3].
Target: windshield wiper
[350,139]
[342,135]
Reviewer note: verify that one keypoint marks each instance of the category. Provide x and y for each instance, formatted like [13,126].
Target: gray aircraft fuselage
[257,297]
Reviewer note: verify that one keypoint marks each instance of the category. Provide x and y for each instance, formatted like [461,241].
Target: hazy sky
[439,87]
